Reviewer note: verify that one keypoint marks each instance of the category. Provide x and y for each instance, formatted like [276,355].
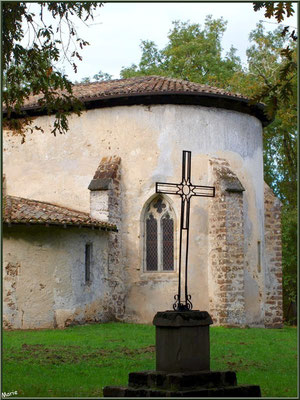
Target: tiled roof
[140,85]
[17,210]
[154,90]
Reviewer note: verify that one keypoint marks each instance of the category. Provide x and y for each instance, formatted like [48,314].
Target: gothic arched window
[159,236]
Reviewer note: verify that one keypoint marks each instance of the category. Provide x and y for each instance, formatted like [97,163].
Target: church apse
[129,138]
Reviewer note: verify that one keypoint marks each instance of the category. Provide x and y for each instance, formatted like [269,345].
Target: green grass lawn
[79,361]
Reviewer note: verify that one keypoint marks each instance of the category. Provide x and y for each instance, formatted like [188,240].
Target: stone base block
[230,391]
[182,341]
[193,384]
[182,380]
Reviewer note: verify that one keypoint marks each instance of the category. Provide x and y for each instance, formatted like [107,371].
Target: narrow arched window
[159,236]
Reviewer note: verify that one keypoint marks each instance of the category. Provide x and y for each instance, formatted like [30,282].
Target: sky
[118,28]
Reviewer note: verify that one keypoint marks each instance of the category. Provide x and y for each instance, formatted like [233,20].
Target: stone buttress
[226,248]
[273,260]
[105,205]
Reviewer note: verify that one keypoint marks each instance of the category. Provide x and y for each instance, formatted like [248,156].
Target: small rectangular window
[88,262]
[259,256]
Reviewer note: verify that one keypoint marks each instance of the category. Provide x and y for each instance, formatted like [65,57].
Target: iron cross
[186,191]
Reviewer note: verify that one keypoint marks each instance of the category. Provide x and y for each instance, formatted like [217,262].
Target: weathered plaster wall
[149,140]
[44,277]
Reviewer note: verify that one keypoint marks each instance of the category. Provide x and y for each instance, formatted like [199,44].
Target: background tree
[32,69]
[192,53]
[266,64]
[99,77]
[281,99]
[282,87]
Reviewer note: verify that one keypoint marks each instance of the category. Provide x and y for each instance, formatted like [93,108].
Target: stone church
[86,237]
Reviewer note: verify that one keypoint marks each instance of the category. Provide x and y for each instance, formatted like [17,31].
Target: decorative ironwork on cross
[186,190]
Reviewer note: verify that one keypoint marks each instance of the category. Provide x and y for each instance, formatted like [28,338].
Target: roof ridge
[145,78]
[113,80]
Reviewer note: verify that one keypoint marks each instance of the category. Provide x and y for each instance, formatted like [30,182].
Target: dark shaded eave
[226,102]
[61,225]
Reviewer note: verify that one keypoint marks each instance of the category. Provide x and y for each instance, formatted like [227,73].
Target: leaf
[285,31]
[49,71]
[257,5]
[294,36]
[289,9]
[269,9]
[279,11]
[78,56]
[287,52]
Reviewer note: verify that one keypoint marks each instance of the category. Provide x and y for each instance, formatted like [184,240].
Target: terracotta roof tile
[136,85]
[154,90]
[18,210]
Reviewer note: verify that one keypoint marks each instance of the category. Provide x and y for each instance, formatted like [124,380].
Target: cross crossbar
[176,188]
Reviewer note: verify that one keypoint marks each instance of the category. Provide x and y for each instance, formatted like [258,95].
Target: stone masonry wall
[273,260]
[106,205]
[226,248]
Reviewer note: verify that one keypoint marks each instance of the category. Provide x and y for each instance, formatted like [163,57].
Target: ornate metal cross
[185,190]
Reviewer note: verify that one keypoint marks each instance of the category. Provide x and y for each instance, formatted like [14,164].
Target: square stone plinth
[193,384]
[182,341]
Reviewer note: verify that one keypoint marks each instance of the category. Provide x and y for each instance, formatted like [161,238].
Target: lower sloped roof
[19,210]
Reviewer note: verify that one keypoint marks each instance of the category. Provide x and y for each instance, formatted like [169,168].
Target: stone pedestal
[182,363]
[192,384]
[182,341]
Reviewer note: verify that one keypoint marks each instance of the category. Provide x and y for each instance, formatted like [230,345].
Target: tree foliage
[193,53]
[279,91]
[279,10]
[99,77]
[265,63]
[30,69]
